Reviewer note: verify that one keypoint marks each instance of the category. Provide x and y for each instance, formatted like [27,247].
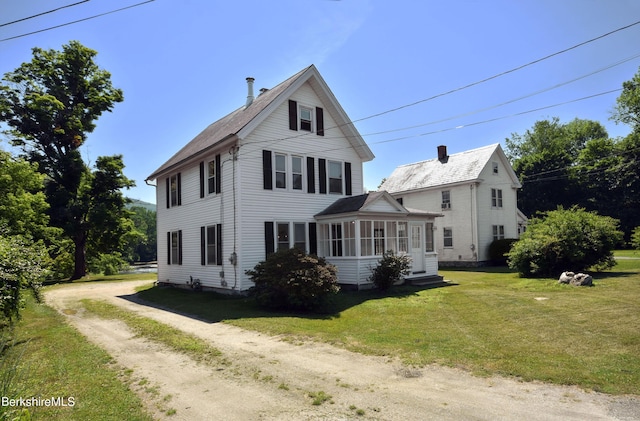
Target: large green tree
[23,205]
[50,105]
[545,159]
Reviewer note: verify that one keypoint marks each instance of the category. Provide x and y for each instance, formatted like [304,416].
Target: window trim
[304,122]
[496,198]
[446,199]
[445,237]
[174,252]
[339,165]
[498,232]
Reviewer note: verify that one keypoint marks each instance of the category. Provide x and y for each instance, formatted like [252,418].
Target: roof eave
[225,141]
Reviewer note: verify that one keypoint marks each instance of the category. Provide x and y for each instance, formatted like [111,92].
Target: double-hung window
[498,232]
[283,235]
[447,237]
[211,177]
[446,200]
[174,247]
[174,191]
[281,171]
[335,177]
[496,198]
[296,172]
[299,236]
[306,119]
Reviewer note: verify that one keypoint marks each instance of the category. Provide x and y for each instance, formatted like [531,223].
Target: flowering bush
[291,279]
[21,267]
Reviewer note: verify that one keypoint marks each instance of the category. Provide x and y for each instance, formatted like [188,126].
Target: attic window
[306,119]
[495,167]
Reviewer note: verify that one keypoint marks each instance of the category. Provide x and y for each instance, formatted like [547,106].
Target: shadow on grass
[214,307]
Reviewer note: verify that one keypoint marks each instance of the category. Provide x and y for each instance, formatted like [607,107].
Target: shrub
[107,264]
[391,268]
[635,238]
[21,267]
[498,250]
[292,280]
[561,240]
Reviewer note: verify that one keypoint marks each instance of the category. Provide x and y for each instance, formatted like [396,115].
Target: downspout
[474,221]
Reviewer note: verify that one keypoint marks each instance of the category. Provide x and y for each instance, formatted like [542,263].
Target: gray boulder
[566,277]
[580,279]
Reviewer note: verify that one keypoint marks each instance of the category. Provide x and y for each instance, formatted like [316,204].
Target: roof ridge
[492,146]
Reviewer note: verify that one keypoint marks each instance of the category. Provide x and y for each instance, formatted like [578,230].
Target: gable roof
[365,202]
[241,122]
[458,168]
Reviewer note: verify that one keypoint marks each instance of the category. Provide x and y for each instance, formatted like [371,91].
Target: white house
[475,190]
[282,171]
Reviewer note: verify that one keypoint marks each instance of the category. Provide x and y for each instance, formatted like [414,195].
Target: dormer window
[306,119]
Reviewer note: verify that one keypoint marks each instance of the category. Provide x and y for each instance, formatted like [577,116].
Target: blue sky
[182,65]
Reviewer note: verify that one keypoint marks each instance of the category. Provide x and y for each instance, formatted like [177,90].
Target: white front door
[416,249]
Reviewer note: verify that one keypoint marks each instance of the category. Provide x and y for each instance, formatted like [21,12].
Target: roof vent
[442,154]
[263,90]
[250,96]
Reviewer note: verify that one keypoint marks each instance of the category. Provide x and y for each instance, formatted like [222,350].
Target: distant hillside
[140,203]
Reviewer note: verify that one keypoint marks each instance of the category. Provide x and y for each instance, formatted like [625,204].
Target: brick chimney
[442,154]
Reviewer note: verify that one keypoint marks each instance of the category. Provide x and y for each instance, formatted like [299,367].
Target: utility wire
[77,21]
[471,84]
[43,13]
[459,126]
[511,101]
[500,74]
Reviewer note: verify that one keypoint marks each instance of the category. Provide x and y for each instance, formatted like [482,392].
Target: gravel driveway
[271,379]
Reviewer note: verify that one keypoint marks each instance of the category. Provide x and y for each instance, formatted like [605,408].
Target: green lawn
[56,361]
[488,321]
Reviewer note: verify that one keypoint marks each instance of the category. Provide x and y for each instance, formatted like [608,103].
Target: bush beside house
[293,280]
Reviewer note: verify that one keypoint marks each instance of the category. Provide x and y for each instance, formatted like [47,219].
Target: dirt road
[271,379]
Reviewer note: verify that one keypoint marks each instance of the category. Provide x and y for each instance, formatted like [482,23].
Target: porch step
[431,280]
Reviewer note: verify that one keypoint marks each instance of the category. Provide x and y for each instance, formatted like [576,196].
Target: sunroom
[354,232]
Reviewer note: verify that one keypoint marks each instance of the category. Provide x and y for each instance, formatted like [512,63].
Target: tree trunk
[80,256]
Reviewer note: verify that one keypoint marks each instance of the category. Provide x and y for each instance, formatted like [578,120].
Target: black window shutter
[268,238]
[179,190]
[218,174]
[168,192]
[180,247]
[219,244]
[322,174]
[293,115]
[319,121]
[311,175]
[202,178]
[347,178]
[313,239]
[168,248]
[203,246]
[267,173]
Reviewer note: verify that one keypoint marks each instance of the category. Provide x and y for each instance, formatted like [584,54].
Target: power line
[461,126]
[43,13]
[511,101]
[351,122]
[77,21]
[500,74]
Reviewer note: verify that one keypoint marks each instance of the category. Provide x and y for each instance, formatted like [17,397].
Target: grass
[56,361]
[489,322]
[176,339]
